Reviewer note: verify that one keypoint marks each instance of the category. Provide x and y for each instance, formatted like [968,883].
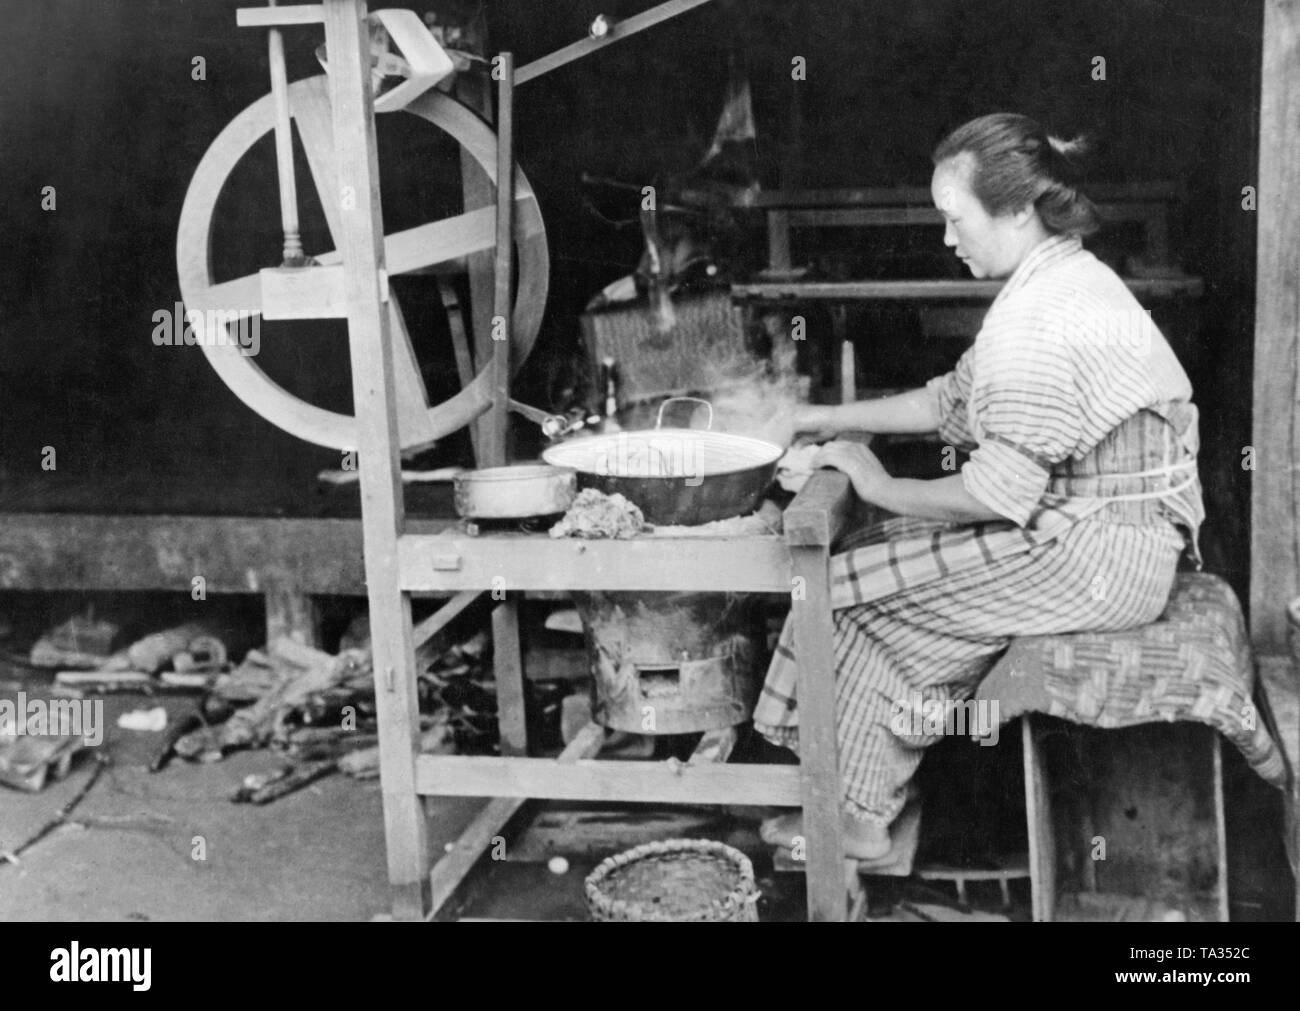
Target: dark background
[99,103]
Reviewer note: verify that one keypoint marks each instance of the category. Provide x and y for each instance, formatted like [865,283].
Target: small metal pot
[675,475]
[514,492]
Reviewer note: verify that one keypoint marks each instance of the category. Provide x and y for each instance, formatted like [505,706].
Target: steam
[751,398]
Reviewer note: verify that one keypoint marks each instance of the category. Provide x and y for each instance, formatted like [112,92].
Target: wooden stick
[508,668]
[622,30]
[935,291]
[294,14]
[495,447]
[181,726]
[669,782]
[296,779]
[479,193]
[61,816]
[449,872]
[293,256]
[460,345]
[440,618]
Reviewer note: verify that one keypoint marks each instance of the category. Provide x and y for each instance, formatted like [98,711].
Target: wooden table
[795,563]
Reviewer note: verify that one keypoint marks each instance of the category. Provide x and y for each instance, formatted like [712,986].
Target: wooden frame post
[291,612]
[361,242]
[1275,492]
[478,193]
[1275,488]
[1041,827]
[494,442]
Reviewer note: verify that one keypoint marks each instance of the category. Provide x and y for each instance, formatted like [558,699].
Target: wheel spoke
[435,242]
[240,297]
[412,398]
[311,111]
[315,127]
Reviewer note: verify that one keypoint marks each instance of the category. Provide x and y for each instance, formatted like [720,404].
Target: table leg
[818,745]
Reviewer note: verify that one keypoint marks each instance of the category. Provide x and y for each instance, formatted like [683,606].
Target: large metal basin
[675,475]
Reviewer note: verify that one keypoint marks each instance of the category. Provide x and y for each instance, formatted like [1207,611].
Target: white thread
[1140,495]
[1157,472]
[1167,470]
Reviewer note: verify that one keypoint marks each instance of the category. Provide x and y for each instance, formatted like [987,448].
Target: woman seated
[1079,495]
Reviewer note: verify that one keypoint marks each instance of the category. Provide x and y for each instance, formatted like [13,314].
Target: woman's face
[990,246]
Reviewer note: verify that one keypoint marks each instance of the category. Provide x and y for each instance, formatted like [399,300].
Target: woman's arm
[904,413]
[944,498]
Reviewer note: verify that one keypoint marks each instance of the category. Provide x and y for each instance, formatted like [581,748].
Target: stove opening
[658,679]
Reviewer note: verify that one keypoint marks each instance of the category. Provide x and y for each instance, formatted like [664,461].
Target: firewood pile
[314,709]
[294,697]
[318,710]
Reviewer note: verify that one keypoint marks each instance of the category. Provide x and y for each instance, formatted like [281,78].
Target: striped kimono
[1081,433]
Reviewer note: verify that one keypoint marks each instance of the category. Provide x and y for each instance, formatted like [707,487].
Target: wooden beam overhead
[935,291]
[620,30]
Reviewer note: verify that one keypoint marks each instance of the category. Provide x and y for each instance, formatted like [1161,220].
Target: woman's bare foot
[862,840]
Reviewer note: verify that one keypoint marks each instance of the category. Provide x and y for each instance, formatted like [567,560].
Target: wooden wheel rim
[418,423]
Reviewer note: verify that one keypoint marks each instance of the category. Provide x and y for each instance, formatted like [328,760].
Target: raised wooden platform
[287,560]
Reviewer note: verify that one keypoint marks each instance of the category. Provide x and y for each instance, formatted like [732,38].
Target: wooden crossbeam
[455,562]
[442,617]
[624,782]
[270,17]
[621,30]
[448,873]
[937,291]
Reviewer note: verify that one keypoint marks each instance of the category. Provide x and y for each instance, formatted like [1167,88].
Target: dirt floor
[172,846]
[131,849]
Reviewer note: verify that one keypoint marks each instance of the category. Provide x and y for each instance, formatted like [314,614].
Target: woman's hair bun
[1069,158]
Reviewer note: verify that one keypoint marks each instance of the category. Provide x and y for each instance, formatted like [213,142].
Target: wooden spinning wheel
[415,249]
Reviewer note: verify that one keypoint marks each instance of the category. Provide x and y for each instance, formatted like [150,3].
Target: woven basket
[674,881]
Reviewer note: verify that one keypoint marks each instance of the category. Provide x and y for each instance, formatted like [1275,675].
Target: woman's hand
[817,422]
[859,464]
[806,423]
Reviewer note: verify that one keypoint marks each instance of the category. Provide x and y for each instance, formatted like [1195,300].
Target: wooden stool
[1041,823]
[1194,663]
